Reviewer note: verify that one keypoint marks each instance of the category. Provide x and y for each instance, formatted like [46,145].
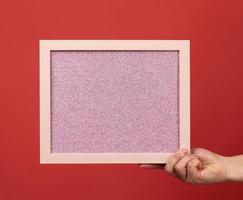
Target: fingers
[152,166]
[193,172]
[170,165]
[181,166]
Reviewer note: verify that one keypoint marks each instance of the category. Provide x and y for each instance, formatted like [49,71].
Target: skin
[201,166]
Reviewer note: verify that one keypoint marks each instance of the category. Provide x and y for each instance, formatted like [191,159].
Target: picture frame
[47,46]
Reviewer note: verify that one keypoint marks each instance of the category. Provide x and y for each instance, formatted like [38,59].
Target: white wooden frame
[183,46]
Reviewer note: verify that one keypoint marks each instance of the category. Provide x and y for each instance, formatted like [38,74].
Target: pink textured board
[114,101]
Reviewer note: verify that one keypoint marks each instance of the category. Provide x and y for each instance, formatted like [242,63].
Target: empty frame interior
[114,101]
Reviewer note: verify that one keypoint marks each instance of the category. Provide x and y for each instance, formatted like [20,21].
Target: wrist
[233,168]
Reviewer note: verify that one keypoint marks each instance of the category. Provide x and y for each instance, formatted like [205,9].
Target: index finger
[152,166]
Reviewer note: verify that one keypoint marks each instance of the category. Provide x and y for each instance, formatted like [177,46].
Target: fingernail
[143,166]
[184,150]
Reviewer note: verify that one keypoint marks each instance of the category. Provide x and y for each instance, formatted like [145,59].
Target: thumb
[203,155]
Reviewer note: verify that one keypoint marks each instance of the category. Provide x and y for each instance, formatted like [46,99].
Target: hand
[198,166]
[201,166]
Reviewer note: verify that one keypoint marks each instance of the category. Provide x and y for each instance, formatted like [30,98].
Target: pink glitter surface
[114,101]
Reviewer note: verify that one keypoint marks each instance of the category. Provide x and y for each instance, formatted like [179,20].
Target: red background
[216,33]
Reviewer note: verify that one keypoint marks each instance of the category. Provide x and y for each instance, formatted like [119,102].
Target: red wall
[216,33]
